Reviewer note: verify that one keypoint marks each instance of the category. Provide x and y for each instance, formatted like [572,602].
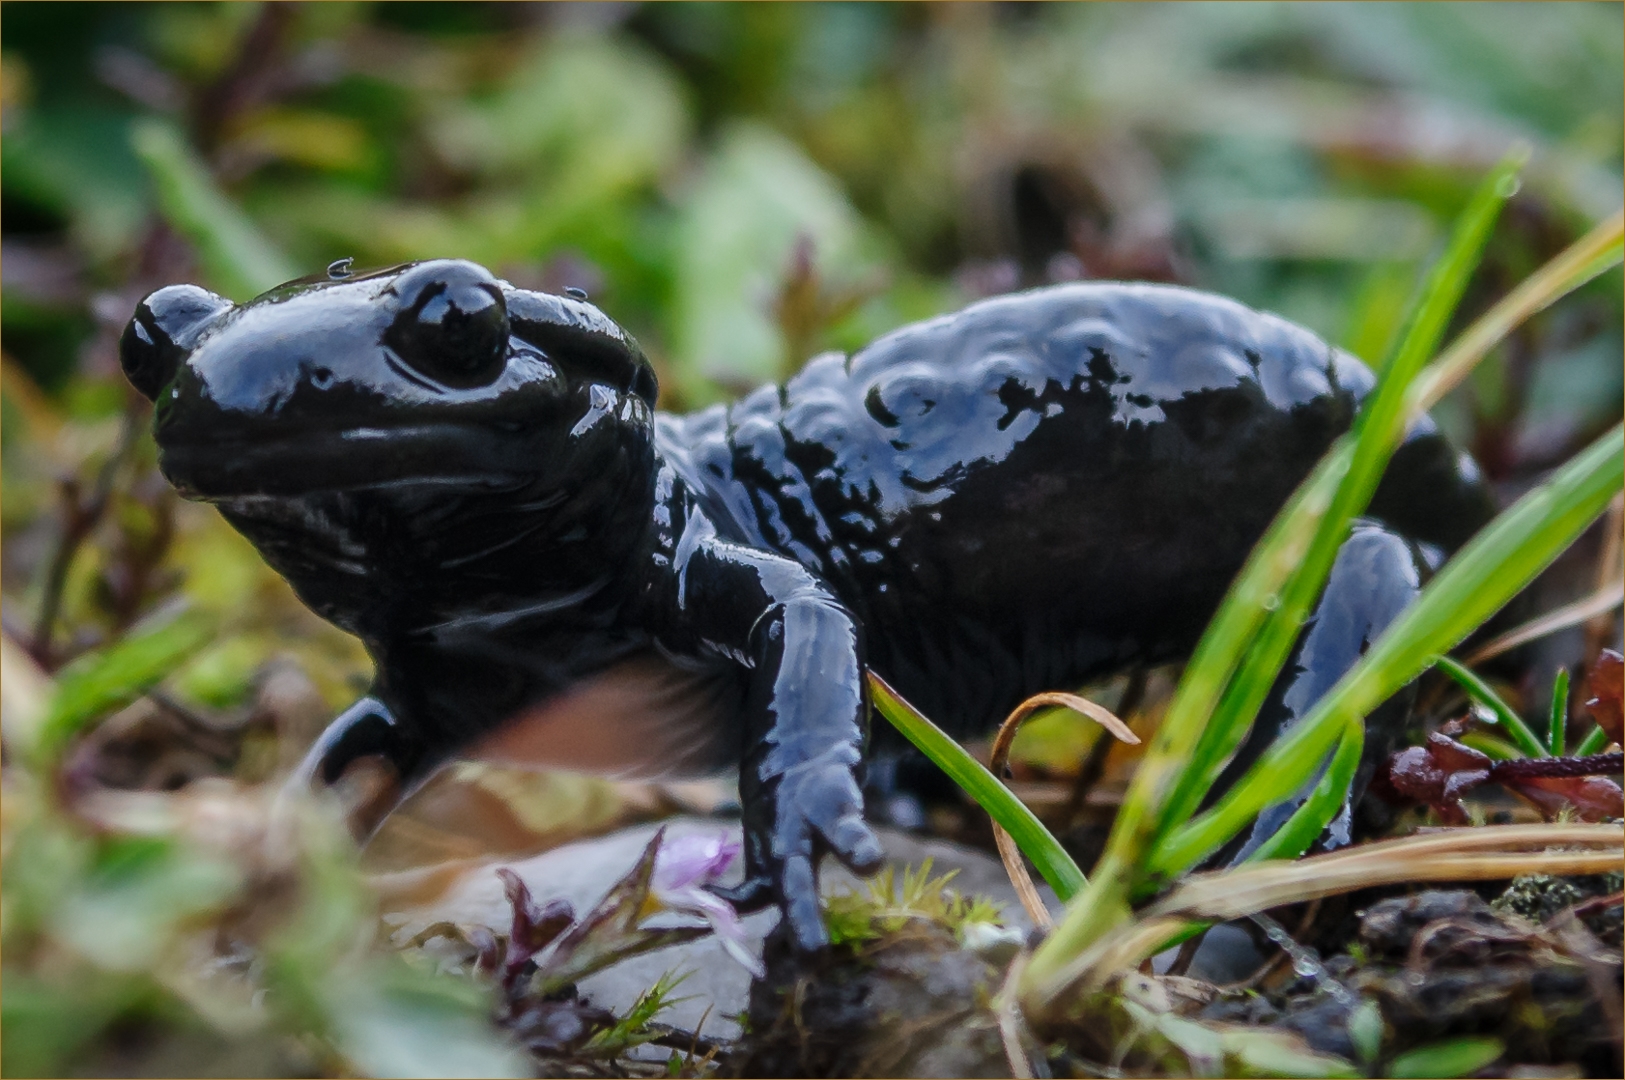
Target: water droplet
[1271,602]
[574,293]
[1508,187]
[339,269]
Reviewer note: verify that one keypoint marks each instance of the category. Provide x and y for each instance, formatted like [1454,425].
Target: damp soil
[1535,964]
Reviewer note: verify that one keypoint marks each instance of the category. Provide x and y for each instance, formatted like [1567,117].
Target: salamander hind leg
[1377,573]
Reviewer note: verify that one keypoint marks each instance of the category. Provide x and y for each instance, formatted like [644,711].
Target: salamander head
[429,373]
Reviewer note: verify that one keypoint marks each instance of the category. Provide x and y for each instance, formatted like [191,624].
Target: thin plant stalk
[1009,850]
[1593,743]
[1037,842]
[1608,597]
[1593,254]
[1558,721]
[1309,820]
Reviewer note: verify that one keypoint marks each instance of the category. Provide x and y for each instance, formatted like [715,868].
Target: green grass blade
[1377,433]
[1480,691]
[1301,541]
[1557,722]
[110,678]
[1035,841]
[1324,803]
[1593,743]
[1597,251]
[1484,575]
[1206,674]
[237,257]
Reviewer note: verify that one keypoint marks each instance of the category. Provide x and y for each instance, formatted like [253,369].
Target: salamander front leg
[365,732]
[804,721]
[1377,573]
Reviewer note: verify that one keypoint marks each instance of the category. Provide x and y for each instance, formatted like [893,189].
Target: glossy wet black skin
[1036,491]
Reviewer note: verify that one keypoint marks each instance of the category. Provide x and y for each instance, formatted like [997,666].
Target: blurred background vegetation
[741,186]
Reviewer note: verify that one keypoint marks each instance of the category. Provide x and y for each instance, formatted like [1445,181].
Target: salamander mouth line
[295,440]
[365,457]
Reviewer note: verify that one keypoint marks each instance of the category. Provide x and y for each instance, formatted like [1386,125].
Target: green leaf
[633,1028]
[47,1024]
[390,1021]
[1366,1030]
[238,259]
[739,225]
[111,678]
[1454,1057]
[1480,691]
[127,911]
[1035,841]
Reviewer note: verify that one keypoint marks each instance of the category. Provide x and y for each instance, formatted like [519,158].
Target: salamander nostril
[454,327]
[165,326]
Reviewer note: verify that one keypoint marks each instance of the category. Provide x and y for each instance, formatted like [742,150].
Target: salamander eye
[455,327]
[164,328]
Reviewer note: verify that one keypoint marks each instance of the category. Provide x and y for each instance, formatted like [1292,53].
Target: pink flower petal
[689,860]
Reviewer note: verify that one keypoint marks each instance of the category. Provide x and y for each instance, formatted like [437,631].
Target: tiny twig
[81,518]
[1187,953]
[1000,755]
[1008,1009]
[676,1038]
[1532,768]
[1607,597]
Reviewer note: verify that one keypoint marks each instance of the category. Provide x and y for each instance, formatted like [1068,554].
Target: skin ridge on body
[1040,489]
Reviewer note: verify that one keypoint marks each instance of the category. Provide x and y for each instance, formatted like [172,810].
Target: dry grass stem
[1533,294]
[1011,1022]
[1604,600]
[1470,853]
[1000,756]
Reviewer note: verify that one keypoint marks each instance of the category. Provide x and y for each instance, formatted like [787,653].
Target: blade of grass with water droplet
[1480,691]
[1493,567]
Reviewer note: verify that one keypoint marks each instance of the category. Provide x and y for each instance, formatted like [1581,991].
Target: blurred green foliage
[1300,157]
[741,186]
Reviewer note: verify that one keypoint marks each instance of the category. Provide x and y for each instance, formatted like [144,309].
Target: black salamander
[1026,495]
